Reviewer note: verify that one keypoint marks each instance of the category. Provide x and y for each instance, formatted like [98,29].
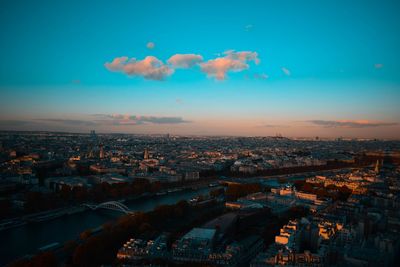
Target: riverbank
[65,211]
[27,238]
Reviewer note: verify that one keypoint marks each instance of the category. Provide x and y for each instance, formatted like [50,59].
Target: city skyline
[254,68]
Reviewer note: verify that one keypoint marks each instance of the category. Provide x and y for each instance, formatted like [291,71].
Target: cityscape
[199,133]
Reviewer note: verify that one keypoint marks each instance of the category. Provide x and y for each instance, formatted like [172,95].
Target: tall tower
[377,166]
[146,154]
[101,154]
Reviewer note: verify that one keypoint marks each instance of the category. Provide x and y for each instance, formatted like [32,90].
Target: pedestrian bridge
[110,205]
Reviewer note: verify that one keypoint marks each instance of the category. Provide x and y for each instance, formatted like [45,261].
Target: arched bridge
[111,205]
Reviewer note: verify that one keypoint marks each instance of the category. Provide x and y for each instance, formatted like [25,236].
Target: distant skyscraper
[93,135]
[377,167]
[146,154]
[101,154]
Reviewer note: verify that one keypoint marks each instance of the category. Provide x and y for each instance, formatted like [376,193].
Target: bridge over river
[110,205]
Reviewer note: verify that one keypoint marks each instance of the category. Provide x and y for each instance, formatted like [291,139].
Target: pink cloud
[351,123]
[217,68]
[117,64]
[126,119]
[185,60]
[150,68]
[232,61]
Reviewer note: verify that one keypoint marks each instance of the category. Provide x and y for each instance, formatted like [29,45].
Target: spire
[377,167]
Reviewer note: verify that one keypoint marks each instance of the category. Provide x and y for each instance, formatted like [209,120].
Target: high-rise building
[101,154]
[146,154]
[377,167]
[93,135]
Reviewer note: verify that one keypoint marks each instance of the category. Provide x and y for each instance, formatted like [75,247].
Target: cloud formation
[150,45]
[232,62]
[243,56]
[150,68]
[275,126]
[350,124]
[185,61]
[286,71]
[92,121]
[126,119]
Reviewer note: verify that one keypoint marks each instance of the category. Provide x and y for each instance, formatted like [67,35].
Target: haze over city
[244,68]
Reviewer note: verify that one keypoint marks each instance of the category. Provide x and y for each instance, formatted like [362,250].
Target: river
[26,239]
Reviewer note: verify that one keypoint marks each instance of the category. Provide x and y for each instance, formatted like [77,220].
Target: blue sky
[328,68]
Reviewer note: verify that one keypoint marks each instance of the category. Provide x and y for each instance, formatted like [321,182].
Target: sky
[248,68]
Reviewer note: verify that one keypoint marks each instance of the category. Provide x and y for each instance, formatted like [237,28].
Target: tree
[65,192]
[235,191]
[307,187]
[44,259]
[34,201]
[70,246]
[80,257]
[85,234]
[145,228]
[155,187]
[107,227]
[80,193]
[5,208]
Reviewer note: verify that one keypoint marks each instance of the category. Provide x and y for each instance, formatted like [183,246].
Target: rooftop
[200,233]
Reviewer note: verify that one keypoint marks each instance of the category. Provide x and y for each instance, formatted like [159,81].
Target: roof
[223,222]
[200,233]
